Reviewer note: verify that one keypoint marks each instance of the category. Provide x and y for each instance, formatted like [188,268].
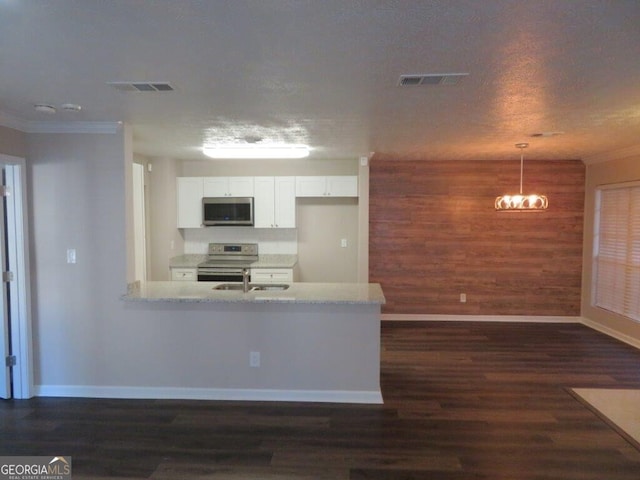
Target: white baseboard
[634,342]
[176,393]
[391,317]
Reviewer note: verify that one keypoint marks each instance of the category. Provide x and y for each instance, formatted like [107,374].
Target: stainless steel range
[227,261]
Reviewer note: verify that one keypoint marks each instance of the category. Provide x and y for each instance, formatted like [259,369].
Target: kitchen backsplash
[270,241]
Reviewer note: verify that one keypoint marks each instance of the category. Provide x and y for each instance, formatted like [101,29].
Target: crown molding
[619,154]
[11,121]
[73,127]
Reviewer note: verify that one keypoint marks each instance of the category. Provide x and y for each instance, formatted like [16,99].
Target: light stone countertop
[191,260]
[297,293]
[188,260]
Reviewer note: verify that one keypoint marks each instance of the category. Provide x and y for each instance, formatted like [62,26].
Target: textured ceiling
[326,73]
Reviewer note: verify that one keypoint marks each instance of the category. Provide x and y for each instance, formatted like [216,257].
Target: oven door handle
[220,271]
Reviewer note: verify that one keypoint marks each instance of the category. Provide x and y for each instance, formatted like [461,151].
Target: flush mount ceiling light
[71,107]
[520,202]
[44,108]
[256,150]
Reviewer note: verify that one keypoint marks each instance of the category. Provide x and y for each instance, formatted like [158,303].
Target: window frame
[630,312]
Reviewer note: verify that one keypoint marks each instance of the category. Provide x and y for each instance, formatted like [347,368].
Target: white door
[139,223]
[16,382]
[5,350]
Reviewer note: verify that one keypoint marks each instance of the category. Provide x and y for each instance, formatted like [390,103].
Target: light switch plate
[254,359]
[71,255]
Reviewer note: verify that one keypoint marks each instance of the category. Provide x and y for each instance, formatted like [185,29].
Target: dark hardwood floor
[462,401]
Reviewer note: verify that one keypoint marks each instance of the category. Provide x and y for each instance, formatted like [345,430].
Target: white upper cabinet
[327,186]
[275,202]
[274,197]
[228,187]
[189,194]
[285,202]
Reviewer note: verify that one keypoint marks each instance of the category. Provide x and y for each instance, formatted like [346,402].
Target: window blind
[617,250]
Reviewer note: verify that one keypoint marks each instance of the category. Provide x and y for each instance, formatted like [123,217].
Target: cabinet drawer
[271,275]
[184,274]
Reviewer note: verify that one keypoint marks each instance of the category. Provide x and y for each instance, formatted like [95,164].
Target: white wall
[321,224]
[165,240]
[276,240]
[12,142]
[87,341]
[77,197]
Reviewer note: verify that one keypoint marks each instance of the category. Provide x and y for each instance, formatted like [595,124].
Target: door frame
[139,222]
[19,287]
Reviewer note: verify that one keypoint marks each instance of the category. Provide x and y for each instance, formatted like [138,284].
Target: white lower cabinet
[275,202]
[184,274]
[272,275]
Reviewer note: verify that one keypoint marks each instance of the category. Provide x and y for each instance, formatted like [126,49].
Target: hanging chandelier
[520,202]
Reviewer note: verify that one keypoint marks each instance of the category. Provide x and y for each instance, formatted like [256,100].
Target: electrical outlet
[71,255]
[463,298]
[254,359]
[343,243]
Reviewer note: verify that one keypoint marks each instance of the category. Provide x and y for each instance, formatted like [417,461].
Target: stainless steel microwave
[227,211]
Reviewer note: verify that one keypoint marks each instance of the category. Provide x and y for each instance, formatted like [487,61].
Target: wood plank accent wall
[434,233]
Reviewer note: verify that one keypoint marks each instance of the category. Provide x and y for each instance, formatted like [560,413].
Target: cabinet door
[228,187]
[311,186]
[241,186]
[331,186]
[216,187]
[189,195]
[342,186]
[285,202]
[184,274]
[271,275]
[263,201]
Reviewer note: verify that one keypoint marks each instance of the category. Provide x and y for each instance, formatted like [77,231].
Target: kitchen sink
[253,287]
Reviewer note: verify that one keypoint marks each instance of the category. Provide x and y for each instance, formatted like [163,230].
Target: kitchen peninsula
[315,342]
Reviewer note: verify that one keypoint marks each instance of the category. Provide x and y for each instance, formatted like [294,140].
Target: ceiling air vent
[431,79]
[141,86]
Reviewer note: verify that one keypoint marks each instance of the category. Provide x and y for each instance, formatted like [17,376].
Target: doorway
[16,379]
[139,223]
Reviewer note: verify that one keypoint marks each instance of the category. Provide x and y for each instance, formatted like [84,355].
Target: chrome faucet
[245,280]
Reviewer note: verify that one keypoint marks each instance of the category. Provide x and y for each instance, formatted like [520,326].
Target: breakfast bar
[317,342]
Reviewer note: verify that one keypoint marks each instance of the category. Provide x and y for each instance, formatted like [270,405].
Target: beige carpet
[620,408]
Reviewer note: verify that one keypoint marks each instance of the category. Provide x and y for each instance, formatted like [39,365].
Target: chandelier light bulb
[521,202]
